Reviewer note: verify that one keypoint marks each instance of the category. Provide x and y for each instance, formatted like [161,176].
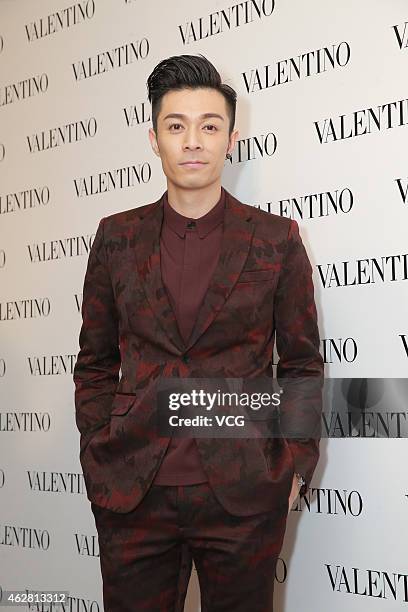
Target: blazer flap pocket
[256,275]
[122,403]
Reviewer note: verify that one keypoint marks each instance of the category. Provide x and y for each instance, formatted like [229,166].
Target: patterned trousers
[146,555]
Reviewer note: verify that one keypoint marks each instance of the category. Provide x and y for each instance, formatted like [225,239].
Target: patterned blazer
[262,288]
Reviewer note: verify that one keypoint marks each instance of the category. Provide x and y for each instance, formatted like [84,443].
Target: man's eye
[212,128]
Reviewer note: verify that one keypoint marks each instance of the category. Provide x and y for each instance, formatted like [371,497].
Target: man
[194,285]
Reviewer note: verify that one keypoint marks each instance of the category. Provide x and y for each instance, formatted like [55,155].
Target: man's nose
[192,139]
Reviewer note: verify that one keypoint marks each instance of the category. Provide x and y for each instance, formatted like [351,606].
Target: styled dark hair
[187,71]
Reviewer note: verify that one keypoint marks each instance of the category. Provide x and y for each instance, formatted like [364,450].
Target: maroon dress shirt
[189,251]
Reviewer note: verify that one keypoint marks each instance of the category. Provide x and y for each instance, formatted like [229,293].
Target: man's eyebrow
[203,116]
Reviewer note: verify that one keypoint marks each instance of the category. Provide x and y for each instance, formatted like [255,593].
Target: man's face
[193,126]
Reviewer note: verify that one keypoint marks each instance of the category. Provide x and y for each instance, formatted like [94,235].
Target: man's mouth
[193,163]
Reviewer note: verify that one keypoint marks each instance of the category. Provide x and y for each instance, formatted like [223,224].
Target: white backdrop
[323,114]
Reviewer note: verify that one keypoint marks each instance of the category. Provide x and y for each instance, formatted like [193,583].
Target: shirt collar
[204,224]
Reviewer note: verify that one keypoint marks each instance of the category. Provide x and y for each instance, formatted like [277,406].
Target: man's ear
[153,141]
[232,140]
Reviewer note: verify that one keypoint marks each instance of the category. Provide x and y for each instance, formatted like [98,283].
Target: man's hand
[294,492]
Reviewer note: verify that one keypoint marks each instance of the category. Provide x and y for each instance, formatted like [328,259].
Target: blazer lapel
[235,244]
[147,252]
[234,249]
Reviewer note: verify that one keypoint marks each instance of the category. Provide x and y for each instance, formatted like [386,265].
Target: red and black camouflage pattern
[146,555]
[262,287]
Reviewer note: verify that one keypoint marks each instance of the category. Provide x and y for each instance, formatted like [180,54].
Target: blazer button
[186,358]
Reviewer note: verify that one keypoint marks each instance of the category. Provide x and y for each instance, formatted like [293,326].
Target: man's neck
[193,203]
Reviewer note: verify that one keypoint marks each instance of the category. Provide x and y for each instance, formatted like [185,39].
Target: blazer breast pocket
[257,275]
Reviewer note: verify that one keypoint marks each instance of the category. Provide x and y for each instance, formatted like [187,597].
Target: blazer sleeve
[96,371]
[300,369]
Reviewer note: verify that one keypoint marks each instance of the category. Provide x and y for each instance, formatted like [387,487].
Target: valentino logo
[24,200]
[254,147]
[313,205]
[61,135]
[61,248]
[299,67]
[51,365]
[365,424]
[331,502]
[61,20]
[403,189]
[387,268]
[401,34]
[78,297]
[27,88]
[136,115]
[230,17]
[29,308]
[339,350]
[119,178]
[56,482]
[404,343]
[361,122]
[87,545]
[368,582]
[110,60]
[24,537]
[281,570]
[25,421]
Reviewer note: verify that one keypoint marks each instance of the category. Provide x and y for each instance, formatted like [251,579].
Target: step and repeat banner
[323,119]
